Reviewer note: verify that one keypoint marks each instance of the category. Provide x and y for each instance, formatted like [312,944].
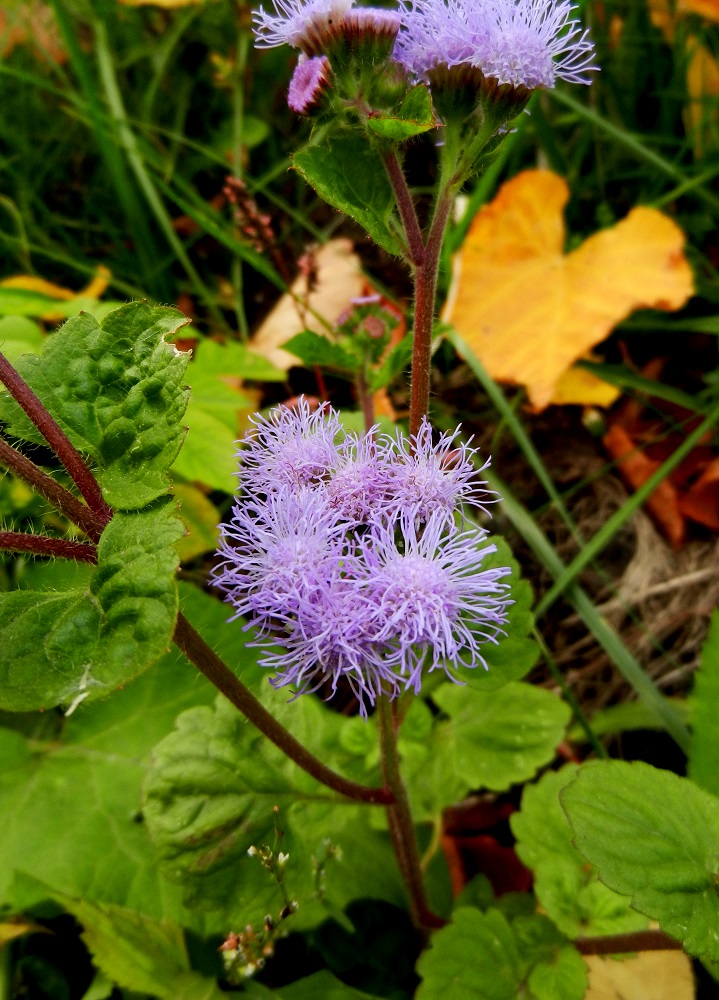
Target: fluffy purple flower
[343,554]
[436,479]
[299,23]
[309,82]
[293,447]
[521,43]
[429,600]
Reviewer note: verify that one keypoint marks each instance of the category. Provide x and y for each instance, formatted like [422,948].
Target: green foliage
[60,648]
[566,887]
[143,955]
[313,349]
[348,174]
[211,795]
[116,389]
[482,956]
[704,753]
[321,984]
[654,837]
[413,117]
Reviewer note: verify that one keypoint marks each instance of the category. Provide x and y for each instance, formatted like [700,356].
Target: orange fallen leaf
[32,24]
[701,502]
[528,310]
[665,13]
[336,280]
[635,468]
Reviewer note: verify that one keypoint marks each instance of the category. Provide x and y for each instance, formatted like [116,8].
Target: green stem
[399,817]
[219,674]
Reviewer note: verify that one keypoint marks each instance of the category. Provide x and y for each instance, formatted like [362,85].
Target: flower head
[309,82]
[299,23]
[431,479]
[521,43]
[428,597]
[293,447]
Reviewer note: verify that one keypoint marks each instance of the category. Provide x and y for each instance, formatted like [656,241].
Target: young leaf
[413,117]
[704,753]
[654,837]
[348,174]
[564,884]
[474,958]
[322,984]
[65,648]
[116,389]
[312,349]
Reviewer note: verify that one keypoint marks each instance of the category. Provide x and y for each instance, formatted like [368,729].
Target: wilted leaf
[529,310]
[337,279]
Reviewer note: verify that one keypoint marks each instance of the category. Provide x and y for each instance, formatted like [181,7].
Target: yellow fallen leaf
[528,310]
[665,13]
[701,115]
[30,283]
[653,975]
[338,279]
[581,387]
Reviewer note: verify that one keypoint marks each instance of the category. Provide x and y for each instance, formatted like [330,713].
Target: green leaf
[498,738]
[557,970]
[143,955]
[515,653]
[312,349]
[396,362]
[704,754]
[414,116]
[116,389]
[566,887]
[654,837]
[349,175]
[65,648]
[474,958]
[70,805]
[210,796]
[200,517]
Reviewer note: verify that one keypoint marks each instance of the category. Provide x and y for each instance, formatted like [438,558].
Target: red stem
[42,545]
[52,491]
[56,438]
[622,944]
[407,212]
[424,296]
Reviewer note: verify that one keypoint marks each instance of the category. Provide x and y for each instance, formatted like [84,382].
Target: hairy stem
[405,205]
[56,438]
[623,944]
[43,545]
[400,822]
[61,499]
[425,291]
[218,673]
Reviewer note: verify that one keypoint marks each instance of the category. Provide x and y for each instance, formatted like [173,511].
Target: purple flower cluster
[350,558]
[519,43]
[522,43]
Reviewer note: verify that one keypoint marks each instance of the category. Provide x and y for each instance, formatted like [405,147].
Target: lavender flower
[431,479]
[299,23]
[290,448]
[344,555]
[309,82]
[429,599]
[521,43]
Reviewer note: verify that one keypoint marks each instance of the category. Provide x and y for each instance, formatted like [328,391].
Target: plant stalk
[623,944]
[399,817]
[425,291]
[61,499]
[407,211]
[43,545]
[219,674]
[57,439]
